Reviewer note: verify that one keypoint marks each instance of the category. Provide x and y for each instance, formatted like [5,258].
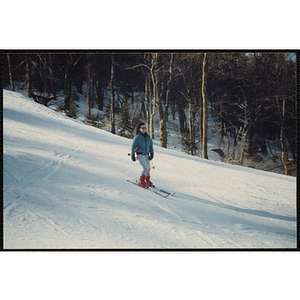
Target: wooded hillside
[251,97]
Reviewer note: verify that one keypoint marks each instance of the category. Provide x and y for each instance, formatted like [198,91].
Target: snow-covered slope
[65,187]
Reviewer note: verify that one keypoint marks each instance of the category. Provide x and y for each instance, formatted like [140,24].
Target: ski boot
[142,182]
[148,182]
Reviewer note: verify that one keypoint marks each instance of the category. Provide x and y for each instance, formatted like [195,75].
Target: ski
[158,191]
[164,191]
[136,183]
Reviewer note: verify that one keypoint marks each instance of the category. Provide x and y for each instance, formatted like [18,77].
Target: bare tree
[112,105]
[148,90]
[147,98]
[163,109]
[190,94]
[71,60]
[89,83]
[10,73]
[154,78]
[28,76]
[52,77]
[284,155]
[204,108]
[151,88]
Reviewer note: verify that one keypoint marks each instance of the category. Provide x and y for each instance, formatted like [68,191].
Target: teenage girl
[142,145]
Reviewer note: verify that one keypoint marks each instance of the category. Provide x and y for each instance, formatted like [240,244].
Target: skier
[142,145]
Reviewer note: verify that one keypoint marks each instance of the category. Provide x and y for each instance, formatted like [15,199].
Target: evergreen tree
[125,123]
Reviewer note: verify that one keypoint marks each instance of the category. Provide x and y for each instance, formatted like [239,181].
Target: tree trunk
[251,144]
[182,119]
[243,141]
[165,137]
[163,111]
[52,78]
[191,126]
[205,108]
[93,91]
[147,99]
[161,122]
[154,91]
[10,74]
[201,122]
[66,79]
[284,155]
[100,94]
[132,96]
[28,76]
[236,138]
[147,93]
[89,86]
[112,105]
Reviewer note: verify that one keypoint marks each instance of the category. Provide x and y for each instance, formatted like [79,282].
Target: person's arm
[134,145]
[151,155]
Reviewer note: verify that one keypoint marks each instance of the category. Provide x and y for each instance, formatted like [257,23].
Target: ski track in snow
[65,188]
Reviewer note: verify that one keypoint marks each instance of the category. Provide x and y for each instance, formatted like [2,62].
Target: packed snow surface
[65,188]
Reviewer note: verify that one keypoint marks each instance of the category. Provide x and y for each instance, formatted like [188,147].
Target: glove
[151,156]
[133,157]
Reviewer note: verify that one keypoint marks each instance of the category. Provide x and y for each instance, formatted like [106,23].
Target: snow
[65,188]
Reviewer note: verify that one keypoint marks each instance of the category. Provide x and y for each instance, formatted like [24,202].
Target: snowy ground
[65,188]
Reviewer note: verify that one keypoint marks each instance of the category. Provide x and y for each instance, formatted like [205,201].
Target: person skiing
[142,145]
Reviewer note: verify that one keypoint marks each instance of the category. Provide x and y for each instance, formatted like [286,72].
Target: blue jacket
[143,143]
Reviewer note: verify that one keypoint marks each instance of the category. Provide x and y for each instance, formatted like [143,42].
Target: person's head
[141,127]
